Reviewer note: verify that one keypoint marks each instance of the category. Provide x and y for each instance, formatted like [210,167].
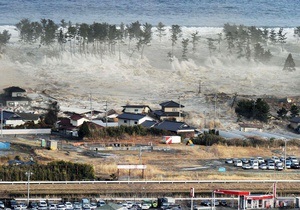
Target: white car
[52,206]
[146,206]
[68,205]
[61,206]
[271,166]
[238,163]
[263,167]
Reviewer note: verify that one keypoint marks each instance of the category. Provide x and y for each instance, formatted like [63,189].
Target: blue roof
[131,116]
[148,123]
[173,126]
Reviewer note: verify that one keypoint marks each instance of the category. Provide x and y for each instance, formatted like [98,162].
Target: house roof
[295,120]
[171,104]
[148,123]
[103,124]
[29,116]
[131,116]
[76,117]
[135,106]
[14,89]
[161,113]
[174,126]
[18,98]
[8,115]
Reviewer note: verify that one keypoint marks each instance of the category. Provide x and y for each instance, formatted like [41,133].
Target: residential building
[179,128]
[136,109]
[295,123]
[15,96]
[170,110]
[133,119]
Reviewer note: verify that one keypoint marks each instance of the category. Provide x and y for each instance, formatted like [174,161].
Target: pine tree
[281,38]
[161,30]
[294,111]
[4,38]
[185,43]
[195,39]
[273,36]
[211,46]
[289,63]
[175,33]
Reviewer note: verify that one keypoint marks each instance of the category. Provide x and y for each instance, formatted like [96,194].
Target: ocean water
[196,13]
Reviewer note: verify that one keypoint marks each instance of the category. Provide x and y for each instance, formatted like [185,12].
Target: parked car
[43,205]
[2,206]
[33,205]
[77,205]
[271,166]
[68,205]
[146,206]
[260,160]
[52,206]
[21,206]
[244,160]
[263,167]
[288,163]
[93,205]
[223,203]
[238,163]
[61,206]
[279,166]
[246,166]
[101,203]
[275,159]
[13,204]
[229,161]
[295,166]
[205,203]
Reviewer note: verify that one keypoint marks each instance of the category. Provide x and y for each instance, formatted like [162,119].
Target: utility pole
[200,87]
[105,113]
[1,105]
[28,174]
[215,110]
[91,106]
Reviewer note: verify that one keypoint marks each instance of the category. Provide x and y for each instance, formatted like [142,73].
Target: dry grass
[168,162]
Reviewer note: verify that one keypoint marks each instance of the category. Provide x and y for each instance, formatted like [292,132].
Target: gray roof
[29,116]
[14,89]
[136,106]
[171,104]
[131,116]
[148,123]
[173,126]
[295,120]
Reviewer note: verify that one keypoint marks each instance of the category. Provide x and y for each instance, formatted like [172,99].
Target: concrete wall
[26,131]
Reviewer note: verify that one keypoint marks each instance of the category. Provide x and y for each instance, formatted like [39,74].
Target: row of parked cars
[273,163]
[84,204]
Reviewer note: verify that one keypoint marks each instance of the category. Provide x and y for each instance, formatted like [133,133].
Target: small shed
[245,127]
[52,144]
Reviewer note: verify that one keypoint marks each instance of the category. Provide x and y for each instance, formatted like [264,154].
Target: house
[295,123]
[13,119]
[14,92]
[77,120]
[15,96]
[136,109]
[179,128]
[64,126]
[245,127]
[170,110]
[132,119]
[149,123]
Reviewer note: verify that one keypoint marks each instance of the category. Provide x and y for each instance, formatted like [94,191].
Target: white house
[77,120]
[133,119]
[136,109]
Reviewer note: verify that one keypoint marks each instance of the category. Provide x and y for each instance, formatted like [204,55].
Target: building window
[136,110]
[135,122]
[125,121]
[174,109]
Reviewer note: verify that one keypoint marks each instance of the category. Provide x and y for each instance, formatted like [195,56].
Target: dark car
[295,166]
[13,204]
[205,203]
[223,203]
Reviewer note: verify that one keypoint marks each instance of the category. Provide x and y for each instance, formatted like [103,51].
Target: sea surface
[191,13]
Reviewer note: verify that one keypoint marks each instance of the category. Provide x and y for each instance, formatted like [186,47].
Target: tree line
[244,42]
[53,171]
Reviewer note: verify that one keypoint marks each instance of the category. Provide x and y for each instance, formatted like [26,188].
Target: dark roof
[295,120]
[136,106]
[18,98]
[64,121]
[171,104]
[173,126]
[14,89]
[161,113]
[131,116]
[29,116]
[148,123]
[8,115]
[76,117]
